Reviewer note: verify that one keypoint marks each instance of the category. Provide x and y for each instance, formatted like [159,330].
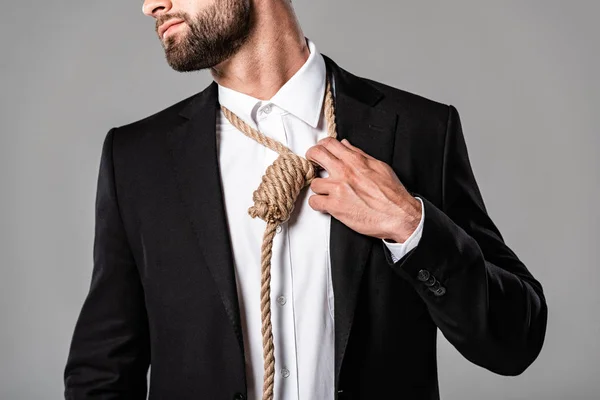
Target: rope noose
[273,203]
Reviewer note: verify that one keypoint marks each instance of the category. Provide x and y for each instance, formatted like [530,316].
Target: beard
[214,35]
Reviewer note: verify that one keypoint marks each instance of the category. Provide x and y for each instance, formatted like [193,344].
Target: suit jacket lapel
[371,129]
[195,162]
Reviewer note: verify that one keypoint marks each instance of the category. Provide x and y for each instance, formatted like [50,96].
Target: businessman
[293,231]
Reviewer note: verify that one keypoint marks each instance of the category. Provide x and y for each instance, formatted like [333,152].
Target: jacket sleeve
[478,293]
[109,353]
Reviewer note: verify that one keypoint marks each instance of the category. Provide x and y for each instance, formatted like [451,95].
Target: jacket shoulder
[164,120]
[160,120]
[410,105]
[147,135]
[423,119]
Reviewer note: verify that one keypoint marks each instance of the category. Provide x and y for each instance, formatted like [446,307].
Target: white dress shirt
[302,307]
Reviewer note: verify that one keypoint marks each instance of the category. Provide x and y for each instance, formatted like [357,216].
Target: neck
[274,52]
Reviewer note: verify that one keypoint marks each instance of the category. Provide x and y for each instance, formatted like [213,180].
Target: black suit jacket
[163,289]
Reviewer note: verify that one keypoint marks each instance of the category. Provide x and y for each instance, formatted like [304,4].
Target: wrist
[406,222]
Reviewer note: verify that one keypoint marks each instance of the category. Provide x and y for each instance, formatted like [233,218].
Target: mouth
[162,30]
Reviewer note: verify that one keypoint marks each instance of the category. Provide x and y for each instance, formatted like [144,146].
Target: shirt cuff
[399,250]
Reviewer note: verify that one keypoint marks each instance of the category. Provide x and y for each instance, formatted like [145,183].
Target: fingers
[319,203]
[343,150]
[322,186]
[322,156]
[346,143]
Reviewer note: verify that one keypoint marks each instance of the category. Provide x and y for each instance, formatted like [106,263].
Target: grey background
[523,75]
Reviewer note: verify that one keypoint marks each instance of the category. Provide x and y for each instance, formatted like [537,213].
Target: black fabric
[163,286]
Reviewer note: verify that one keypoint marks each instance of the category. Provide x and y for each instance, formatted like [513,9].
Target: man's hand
[362,192]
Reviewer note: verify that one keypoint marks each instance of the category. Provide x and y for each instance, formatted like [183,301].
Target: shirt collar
[302,95]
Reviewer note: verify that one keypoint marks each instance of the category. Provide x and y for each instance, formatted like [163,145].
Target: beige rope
[274,202]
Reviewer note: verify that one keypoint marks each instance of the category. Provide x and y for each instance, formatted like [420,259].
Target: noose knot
[282,182]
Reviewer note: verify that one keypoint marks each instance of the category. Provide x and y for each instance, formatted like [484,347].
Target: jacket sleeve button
[440,291]
[431,281]
[423,275]
[239,396]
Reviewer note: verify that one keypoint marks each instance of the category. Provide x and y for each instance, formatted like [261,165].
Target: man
[391,241]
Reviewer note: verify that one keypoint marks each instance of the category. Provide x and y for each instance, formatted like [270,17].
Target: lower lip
[171,29]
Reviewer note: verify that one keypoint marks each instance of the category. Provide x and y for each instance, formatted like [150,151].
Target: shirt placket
[269,122]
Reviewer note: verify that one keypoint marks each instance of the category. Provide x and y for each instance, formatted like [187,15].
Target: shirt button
[278,229]
[281,300]
[285,372]
[267,109]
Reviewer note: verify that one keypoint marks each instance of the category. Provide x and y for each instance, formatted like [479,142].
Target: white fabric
[302,304]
